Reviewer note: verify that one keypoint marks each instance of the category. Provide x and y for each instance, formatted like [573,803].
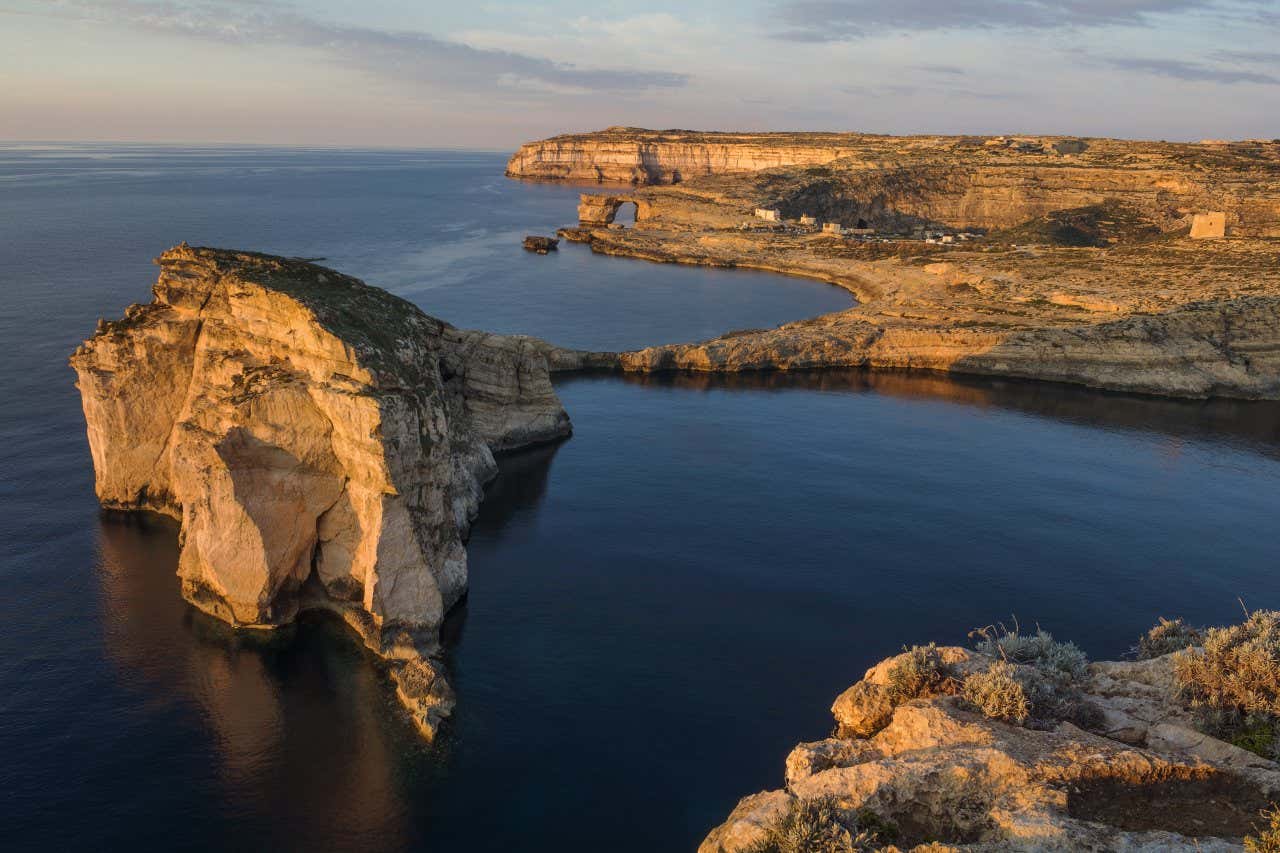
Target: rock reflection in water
[1252,423]
[306,742]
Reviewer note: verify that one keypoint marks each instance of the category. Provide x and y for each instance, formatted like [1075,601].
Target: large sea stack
[323,443]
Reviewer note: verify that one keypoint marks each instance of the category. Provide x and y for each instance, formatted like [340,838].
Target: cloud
[839,20]
[908,91]
[1249,57]
[400,55]
[949,70]
[1191,71]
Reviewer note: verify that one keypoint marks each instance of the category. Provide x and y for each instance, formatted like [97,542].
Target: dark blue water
[660,607]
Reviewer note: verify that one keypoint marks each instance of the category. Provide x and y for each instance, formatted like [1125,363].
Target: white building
[832,228]
[1209,226]
[769,215]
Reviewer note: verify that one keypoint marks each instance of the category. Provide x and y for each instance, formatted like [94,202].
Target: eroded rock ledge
[323,443]
[945,777]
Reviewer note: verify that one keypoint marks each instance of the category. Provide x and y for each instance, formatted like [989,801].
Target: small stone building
[833,228]
[769,214]
[1209,226]
[808,220]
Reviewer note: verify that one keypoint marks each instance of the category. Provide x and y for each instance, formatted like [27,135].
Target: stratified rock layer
[632,155]
[951,779]
[960,181]
[323,443]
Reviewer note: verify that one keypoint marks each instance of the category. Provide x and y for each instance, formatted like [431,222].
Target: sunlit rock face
[632,155]
[323,443]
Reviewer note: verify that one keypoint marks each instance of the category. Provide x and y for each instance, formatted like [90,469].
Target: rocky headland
[1023,745]
[323,443]
[1145,267]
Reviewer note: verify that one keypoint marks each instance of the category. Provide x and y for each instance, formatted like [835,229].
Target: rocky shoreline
[1063,262]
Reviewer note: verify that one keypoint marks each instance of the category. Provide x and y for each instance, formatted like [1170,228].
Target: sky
[490,75]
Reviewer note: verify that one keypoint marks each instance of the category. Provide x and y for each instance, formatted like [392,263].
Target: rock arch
[600,210]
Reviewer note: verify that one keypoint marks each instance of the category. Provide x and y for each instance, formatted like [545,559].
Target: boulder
[541,245]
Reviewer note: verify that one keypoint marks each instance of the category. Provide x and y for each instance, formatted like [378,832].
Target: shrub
[1063,662]
[1050,701]
[820,826]
[1080,712]
[1268,838]
[997,693]
[1234,682]
[920,672]
[1170,635]
[1047,674]
[1258,733]
[1238,668]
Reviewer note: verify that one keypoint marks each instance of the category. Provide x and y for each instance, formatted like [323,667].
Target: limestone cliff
[323,443]
[897,181]
[630,155]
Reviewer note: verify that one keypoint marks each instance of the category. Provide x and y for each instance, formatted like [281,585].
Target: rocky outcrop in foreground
[917,765]
[323,443]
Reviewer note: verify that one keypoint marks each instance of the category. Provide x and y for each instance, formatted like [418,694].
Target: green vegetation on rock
[1233,681]
[820,826]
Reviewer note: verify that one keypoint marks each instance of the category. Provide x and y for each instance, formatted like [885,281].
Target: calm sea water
[660,607]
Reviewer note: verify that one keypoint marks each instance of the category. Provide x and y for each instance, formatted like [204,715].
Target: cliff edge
[323,443]
[1021,747]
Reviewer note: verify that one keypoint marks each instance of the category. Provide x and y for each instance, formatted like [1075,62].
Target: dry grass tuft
[920,673]
[1170,635]
[1268,838]
[997,693]
[820,826]
[1234,682]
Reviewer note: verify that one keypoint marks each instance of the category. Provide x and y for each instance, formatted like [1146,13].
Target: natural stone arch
[627,214]
[603,209]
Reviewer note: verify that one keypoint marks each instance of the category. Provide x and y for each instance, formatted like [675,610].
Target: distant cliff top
[640,156]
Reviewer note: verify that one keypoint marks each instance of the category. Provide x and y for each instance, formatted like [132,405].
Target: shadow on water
[516,492]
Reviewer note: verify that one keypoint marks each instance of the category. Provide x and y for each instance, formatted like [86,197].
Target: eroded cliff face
[629,155]
[323,443]
[892,181]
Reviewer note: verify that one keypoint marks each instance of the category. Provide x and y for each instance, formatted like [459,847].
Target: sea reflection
[304,740]
[1254,424]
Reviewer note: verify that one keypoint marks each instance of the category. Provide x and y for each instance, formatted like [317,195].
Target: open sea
[660,606]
